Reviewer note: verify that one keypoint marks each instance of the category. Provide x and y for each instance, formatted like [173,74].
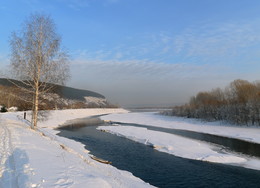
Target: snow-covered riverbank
[180,146]
[31,158]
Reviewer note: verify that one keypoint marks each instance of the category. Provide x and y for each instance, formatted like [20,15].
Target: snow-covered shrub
[12,109]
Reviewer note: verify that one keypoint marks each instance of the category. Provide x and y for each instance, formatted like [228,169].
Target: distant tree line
[239,103]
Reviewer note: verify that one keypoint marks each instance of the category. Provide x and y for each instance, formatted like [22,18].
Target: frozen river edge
[180,146]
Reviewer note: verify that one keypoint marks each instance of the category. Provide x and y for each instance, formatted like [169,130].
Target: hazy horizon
[149,52]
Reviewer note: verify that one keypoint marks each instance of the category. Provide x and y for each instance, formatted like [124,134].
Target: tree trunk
[35,106]
[35,113]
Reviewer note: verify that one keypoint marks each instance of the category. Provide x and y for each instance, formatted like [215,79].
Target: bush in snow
[3,109]
[12,109]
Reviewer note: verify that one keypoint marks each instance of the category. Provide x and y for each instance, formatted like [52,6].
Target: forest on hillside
[238,103]
[59,97]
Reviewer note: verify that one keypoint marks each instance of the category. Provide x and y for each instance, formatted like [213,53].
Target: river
[158,168]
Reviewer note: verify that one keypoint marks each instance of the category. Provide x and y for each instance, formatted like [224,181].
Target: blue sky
[148,52]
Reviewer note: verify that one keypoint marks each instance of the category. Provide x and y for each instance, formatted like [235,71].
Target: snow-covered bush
[12,109]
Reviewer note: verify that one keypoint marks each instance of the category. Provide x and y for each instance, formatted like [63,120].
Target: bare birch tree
[37,59]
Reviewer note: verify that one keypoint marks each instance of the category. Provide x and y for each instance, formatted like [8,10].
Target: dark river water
[158,168]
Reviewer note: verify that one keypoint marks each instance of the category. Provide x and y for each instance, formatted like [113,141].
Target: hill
[59,97]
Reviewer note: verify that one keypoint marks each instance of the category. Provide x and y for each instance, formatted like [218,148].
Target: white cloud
[142,69]
[170,67]
[222,40]
[206,43]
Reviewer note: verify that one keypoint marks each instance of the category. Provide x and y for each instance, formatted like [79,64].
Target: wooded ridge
[60,97]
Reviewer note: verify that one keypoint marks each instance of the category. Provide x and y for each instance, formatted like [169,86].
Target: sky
[148,52]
